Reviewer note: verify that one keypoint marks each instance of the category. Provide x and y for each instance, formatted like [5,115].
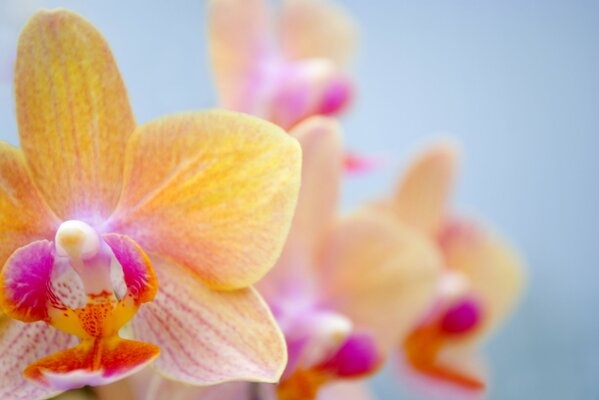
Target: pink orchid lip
[358,356]
[336,97]
[286,92]
[313,334]
[461,317]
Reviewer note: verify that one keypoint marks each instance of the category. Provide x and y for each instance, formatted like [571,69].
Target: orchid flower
[287,72]
[283,72]
[337,287]
[334,289]
[99,216]
[482,277]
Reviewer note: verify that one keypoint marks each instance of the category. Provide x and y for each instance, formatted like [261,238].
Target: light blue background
[514,81]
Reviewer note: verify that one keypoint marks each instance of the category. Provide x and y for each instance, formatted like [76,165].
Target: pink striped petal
[20,345]
[148,385]
[206,336]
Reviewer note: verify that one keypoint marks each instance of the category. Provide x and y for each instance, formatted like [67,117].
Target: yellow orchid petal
[211,336]
[73,114]
[322,166]
[18,197]
[219,202]
[238,38]
[380,274]
[494,270]
[317,29]
[421,196]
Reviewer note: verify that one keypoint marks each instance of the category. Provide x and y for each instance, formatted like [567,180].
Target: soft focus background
[515,82]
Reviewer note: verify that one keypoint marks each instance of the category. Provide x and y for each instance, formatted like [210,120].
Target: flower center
[88,285]
[89,256]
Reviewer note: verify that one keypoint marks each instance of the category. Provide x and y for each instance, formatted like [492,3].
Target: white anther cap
[77,240]
[453,284]
[326,332]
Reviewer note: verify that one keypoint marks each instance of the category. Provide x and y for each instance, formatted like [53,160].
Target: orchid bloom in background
[283,72]
[288,71]
[98,216]
[482,280]
[336,289]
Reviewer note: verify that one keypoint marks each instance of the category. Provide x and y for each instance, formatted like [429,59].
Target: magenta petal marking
[358,164]
[356,357]
[139,277]
[291,103]
[25,282]
[461,318]
[336,97]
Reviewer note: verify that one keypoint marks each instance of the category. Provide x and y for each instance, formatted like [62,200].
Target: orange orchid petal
[430,351]
[20,345]
[73,114]
[322,167]
[113,359]
[238,38]
[317,29]
[421,196]
[380,274]
[494,277]
[18,197]
[494,269]
[189,322]
[219,202]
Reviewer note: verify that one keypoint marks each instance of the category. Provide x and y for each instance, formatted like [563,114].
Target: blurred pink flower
[339,280]
[283,69]
[482,280]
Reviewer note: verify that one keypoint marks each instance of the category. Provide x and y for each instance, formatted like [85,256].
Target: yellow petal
[214,191]
[206,336]
[317,29]
[322,165]
[238,42]
[422,194]
[494,269]
[380,274]
[73,114]
[18,197]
